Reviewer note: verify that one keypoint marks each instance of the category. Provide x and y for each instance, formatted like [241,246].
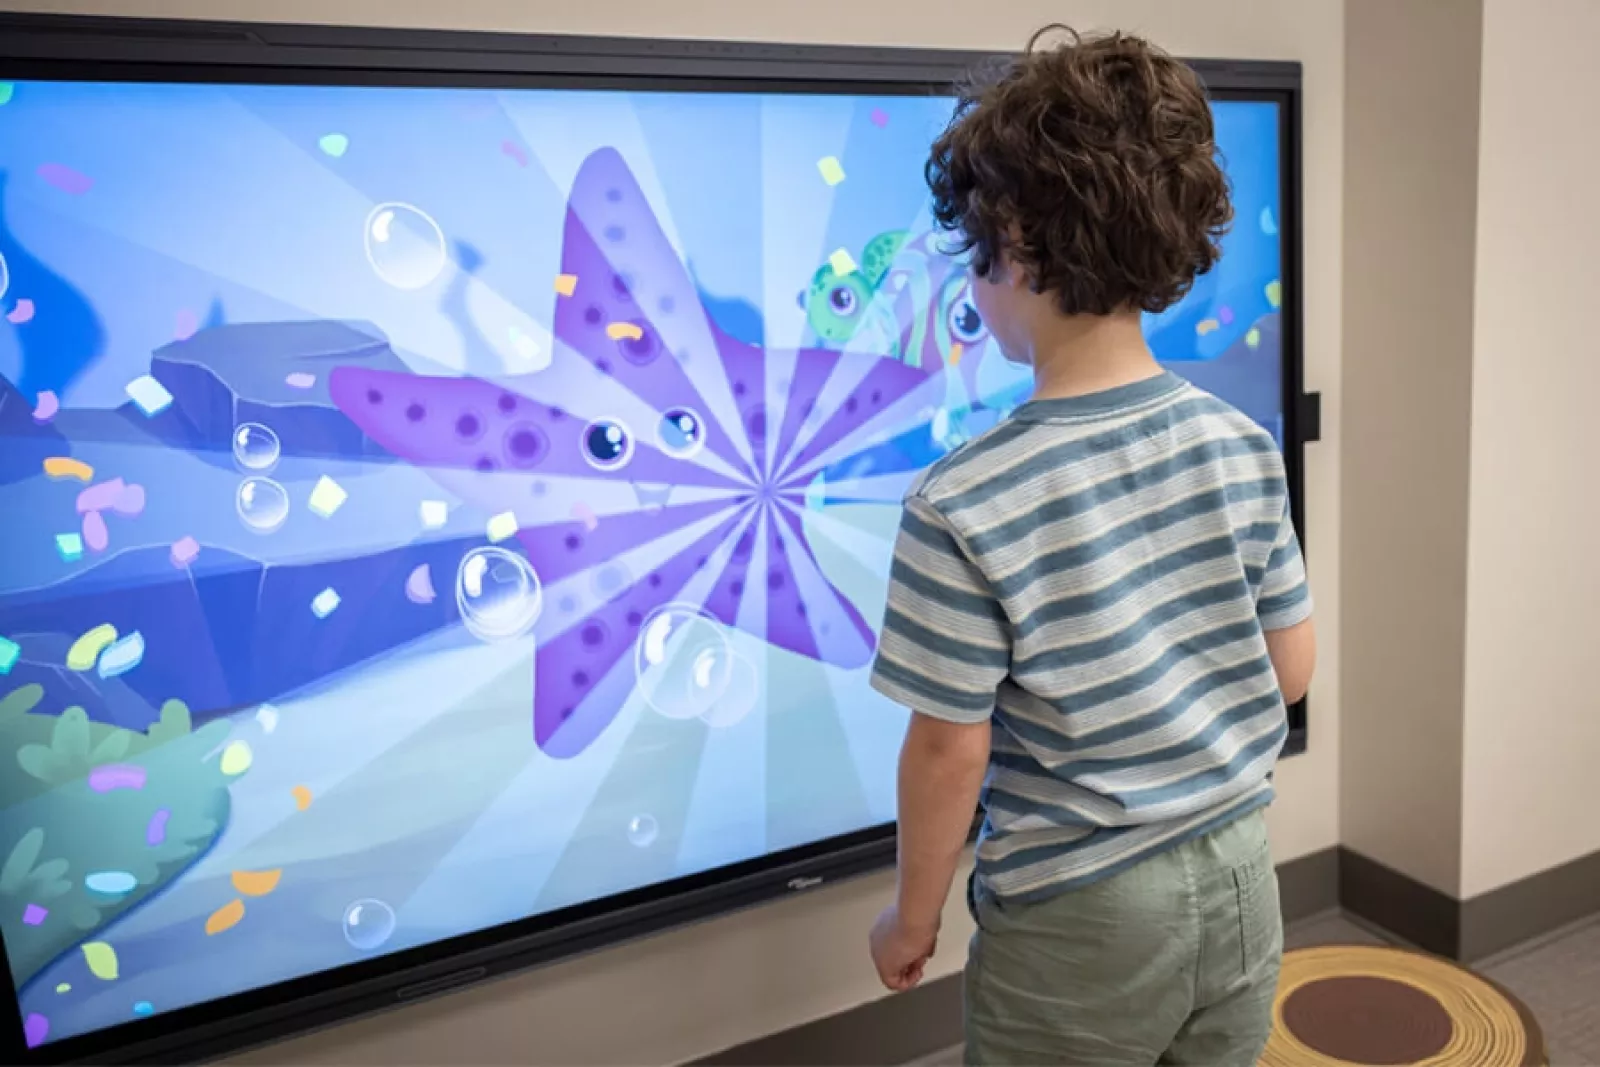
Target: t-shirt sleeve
[946,641]
[1285,597]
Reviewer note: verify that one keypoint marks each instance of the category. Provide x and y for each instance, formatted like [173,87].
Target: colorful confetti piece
[842,262]
[35,1029]
[63,177]
[267,718]
[110,883]
[236,759]
[585,515]
[1274,292]
[434,514]
[503,526]
[121,656]
[63,987]
[10,653]
[7,90]
[62,467]
[22,312]
[102,960]
[956,350]
[419,585]
[1225,315]
[95,533]
[1205,326]
[325,603]
[566,284]
[155,831]
[100,496]
[225,917]
[185,324]
[35,915]
[1252,338]
[184,551]
[256,883]
[333,144]
[111,776]
[144,1008]
[1269,225]
[327,497]
[879,117]
[302,797]
[831,169]
[514,151]
[300,380]
[149,395]
[130,502]
[45,406]
[69,546]
[624,331]
[87,648]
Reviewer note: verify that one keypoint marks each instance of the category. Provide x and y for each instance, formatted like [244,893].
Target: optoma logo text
[804,883]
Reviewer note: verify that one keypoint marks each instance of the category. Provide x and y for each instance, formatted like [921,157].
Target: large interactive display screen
[428,508]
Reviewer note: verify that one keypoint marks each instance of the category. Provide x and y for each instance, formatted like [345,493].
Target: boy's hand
[900,952]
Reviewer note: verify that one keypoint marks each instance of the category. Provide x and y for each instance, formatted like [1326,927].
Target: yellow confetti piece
[67,467]
[256,883]
[503,526]
[225,917]
[955,353]
[624,331]
[1275,293]
[85,651]
[566,284]
[302,797]
[842,263]
[1253,338]
[102,960]
[236,759]
[831,169]
[64,987]
[1205,326]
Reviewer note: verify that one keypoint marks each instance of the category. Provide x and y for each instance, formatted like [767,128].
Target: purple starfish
[634,334]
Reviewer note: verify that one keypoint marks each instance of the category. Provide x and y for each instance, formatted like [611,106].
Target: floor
[1557,976]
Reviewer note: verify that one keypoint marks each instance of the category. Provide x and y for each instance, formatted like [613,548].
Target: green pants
[1173,961]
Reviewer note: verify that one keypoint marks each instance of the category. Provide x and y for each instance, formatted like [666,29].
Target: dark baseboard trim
[927,1020]
[1472,929]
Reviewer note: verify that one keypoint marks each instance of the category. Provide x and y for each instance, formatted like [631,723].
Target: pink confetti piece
[514,150]
[34,915]
[35,1029]
[131,503]
[419,586]
[185,325]
[100,496]
[95,534]
[880,117]
[45,406]
[300,380]
[155,831]
[184,551]
[22,312]
[583,514]
[1225,315]
[111,776]
[63,177]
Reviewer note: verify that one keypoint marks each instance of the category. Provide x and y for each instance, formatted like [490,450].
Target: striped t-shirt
[1094,577]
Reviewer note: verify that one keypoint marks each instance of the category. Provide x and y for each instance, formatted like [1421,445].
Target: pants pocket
[1255,887]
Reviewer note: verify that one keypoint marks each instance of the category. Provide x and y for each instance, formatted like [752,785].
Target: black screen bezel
[43,47]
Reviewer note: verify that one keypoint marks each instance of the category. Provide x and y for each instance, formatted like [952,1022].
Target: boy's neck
[1089,354]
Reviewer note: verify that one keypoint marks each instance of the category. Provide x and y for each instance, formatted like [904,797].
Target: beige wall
[696,990]
[1410,169]
[1531,786]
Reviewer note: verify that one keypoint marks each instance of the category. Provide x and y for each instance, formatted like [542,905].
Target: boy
[1098,608]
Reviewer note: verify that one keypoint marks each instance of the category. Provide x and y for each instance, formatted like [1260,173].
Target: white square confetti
[149,395]
[435,513]
[327,496]
[842,262]
[503,526]
[324,603]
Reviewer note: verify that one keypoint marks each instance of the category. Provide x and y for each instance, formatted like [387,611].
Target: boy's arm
[945,649]
[1284,608]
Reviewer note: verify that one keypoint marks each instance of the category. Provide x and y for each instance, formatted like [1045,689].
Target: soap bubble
[740,699]
[262,503]
[682,433]
[498,594]
[256,447]
[683,661]
[368,924]
[404,245]
[643,830]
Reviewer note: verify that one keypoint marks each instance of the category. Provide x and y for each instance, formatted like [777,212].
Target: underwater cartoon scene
[427,508]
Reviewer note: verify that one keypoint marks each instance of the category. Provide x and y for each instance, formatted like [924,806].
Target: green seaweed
[55,829]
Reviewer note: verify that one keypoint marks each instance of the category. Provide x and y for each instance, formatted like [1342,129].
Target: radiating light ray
[871,489]
[886,425]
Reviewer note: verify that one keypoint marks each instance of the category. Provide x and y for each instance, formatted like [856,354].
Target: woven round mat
[1361,1004]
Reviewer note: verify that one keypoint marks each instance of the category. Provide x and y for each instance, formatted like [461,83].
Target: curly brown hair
[1092,167]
